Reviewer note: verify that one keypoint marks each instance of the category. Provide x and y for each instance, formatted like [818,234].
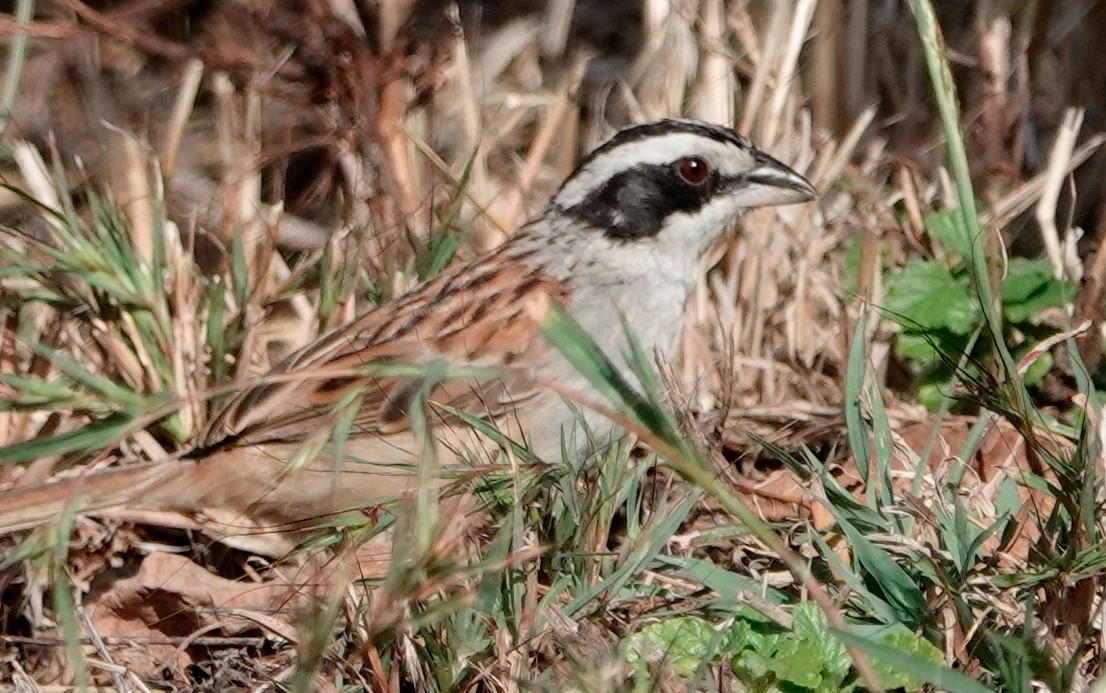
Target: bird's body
[620,246]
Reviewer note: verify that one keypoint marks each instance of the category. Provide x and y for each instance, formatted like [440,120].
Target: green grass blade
[897,587]
[855,424]
[728,584]
[640,557]
[17,55]
[940,677]
[948,109]
[95,436]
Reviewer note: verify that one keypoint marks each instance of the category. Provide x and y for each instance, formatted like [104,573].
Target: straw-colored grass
[286,176]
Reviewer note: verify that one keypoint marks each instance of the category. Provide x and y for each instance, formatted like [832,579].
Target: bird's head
[676,186]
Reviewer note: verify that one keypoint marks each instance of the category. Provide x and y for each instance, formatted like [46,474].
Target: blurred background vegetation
[194,188]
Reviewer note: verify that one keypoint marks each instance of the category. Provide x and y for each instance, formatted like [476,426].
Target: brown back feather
[474,315]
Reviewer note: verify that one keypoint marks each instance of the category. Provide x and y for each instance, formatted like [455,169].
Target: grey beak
[772,183]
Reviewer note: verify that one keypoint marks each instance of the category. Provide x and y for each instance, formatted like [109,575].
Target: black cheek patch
[635,203]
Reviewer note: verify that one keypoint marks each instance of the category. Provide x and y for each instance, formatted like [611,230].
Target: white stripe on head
[729,158]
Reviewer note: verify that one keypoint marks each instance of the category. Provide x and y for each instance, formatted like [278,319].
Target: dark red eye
[693,170]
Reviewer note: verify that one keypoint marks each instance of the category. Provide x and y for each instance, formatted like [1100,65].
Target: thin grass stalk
[17,57]
[754,98]
[948,110]
[979,427]
[1025,195]
[801,19]
[64,606]
[1058,163]
[182,110]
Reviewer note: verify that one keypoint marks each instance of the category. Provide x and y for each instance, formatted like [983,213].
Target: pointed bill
[772,183]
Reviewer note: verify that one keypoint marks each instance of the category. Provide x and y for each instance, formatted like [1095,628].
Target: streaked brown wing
[474,316]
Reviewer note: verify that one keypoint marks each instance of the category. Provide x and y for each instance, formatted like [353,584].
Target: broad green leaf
[1038,369]
[1024,278]
[1029,289]
[926,296]
[932,394]
[684,643]
[918,346]
[797,663]
[946,226]
[810,626]
[904,660]
[753,668]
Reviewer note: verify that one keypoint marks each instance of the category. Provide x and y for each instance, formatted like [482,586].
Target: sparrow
[620,247]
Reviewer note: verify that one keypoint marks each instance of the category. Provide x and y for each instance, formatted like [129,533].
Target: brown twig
[123,31]
[40,30]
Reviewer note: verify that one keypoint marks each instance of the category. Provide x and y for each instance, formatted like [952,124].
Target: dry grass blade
[313,161]
[1059,250]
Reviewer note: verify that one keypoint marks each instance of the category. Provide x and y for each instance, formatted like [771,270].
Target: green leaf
[647,549]
[1030,289]
[811,627]
[749,632]
[753,649]
[1007,501]
[684,643]
[918,346]
[591,362]
[946,226]
[1038,369]
[850,265]
[765,657]
[932,394]
[926,296]
[106,388]
[873,603]
[797,663]
[753,668]
[904,660]
[1024,278]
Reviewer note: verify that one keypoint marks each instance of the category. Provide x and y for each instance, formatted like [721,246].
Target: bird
[623,242]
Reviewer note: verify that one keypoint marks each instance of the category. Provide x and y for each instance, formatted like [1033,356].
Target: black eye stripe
[635,203]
